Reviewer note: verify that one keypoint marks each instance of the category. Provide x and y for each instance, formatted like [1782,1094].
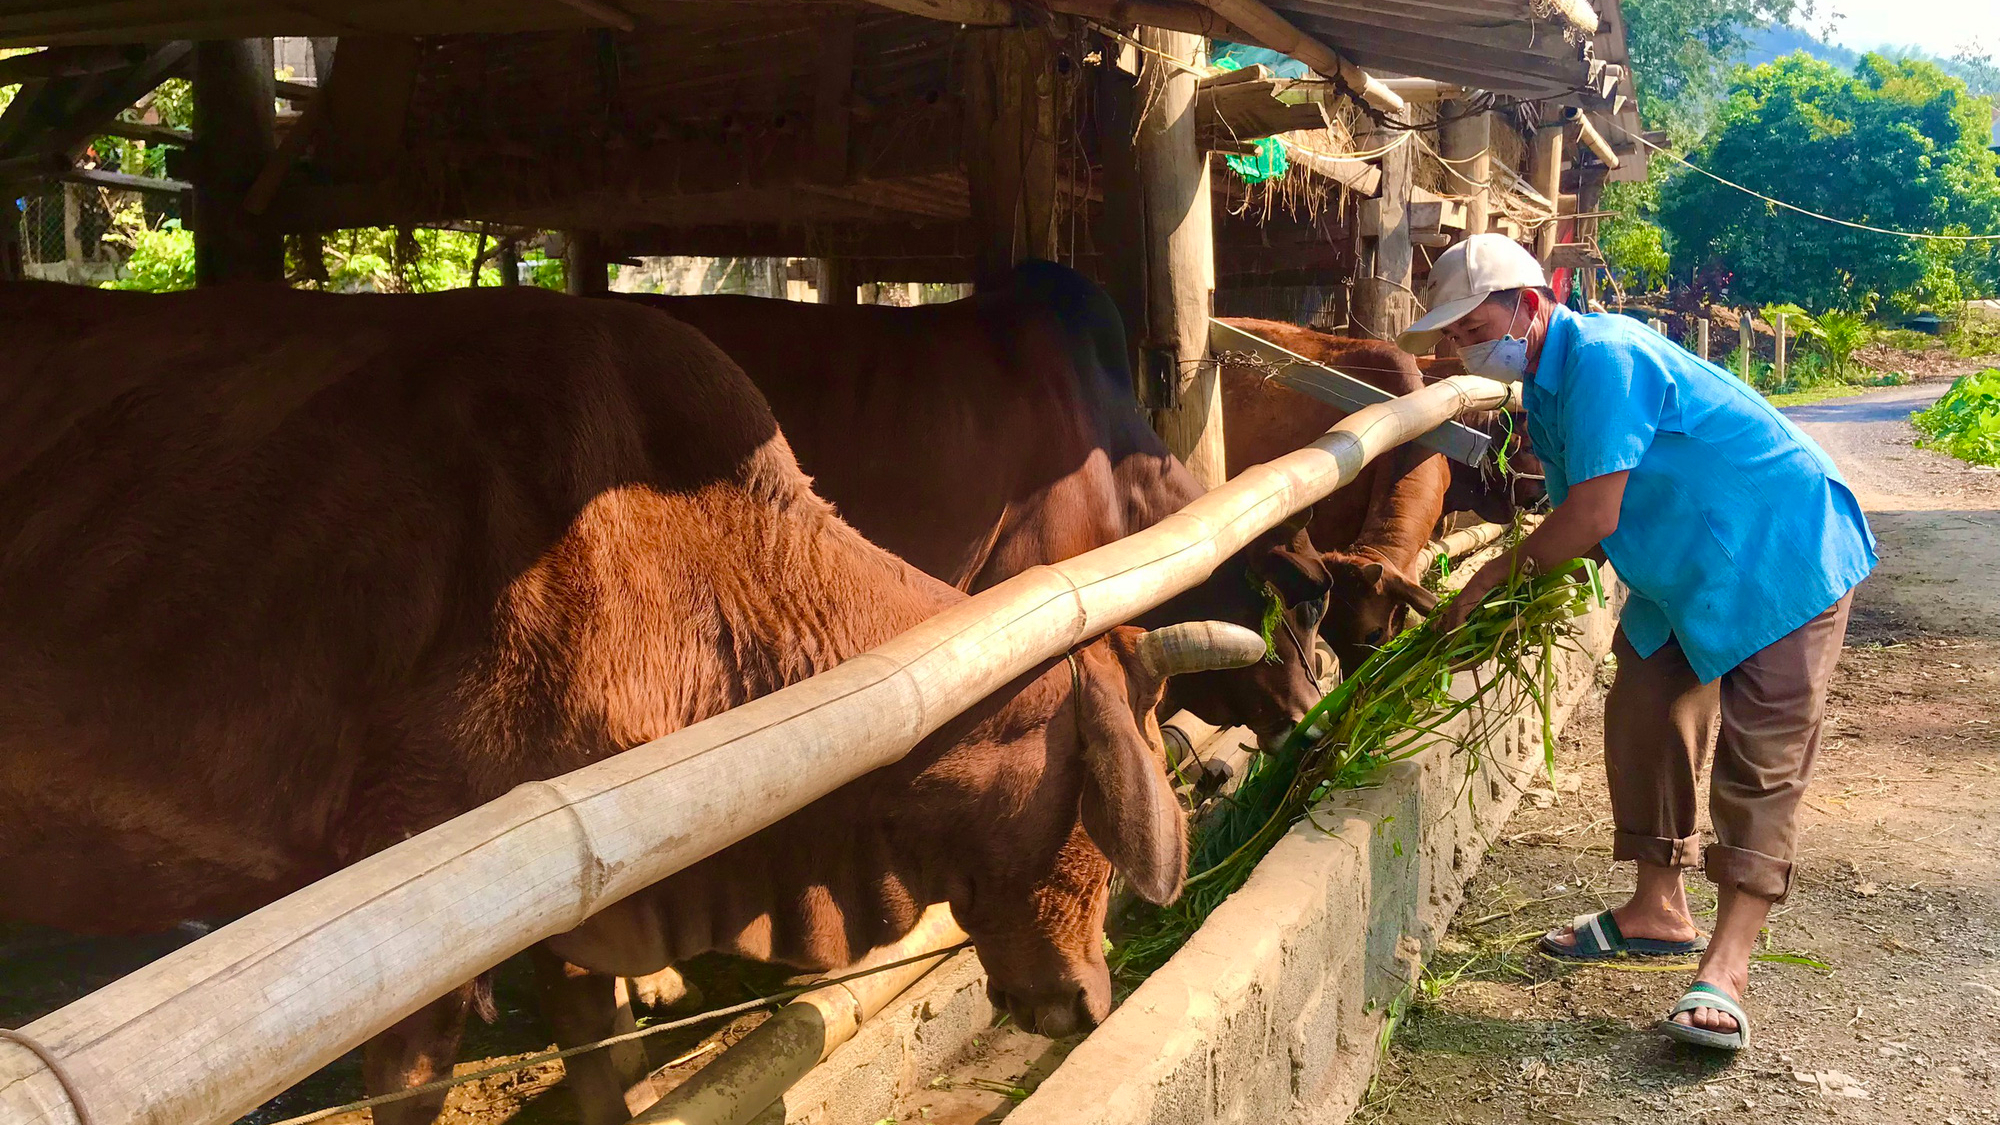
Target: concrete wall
[1272,1012]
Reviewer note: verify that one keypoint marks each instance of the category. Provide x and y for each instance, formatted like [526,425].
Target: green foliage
[1973,334]
[159,258]
[1394,706]
[1898,145]
[1634,245]
[1966,421]
[1682,51]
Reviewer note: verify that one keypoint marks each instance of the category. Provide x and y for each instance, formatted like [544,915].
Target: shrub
[1966,421]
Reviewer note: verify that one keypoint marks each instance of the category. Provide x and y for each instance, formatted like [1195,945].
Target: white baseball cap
[1461,280]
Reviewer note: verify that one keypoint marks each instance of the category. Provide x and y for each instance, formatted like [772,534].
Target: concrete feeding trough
[1274,1010]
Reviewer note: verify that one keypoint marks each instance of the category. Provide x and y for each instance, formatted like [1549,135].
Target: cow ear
[1409,593]
[1295,568]
[1129,809]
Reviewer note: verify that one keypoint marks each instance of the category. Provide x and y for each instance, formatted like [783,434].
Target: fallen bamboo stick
[216,1028]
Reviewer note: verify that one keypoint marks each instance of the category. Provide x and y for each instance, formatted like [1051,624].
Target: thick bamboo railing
[213,1030]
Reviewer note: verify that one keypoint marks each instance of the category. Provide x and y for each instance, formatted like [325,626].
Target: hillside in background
[1778,41]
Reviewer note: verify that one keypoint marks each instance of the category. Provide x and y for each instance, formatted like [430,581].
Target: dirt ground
[1879,997]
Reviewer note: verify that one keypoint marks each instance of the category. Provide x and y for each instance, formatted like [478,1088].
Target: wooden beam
[1383,303]
[1168,15]
[1545,160]
[1009,140]
[61,115]
[973,13]
[838,281]
[1162,243]
[367,99]
[832,94]
[586,265]
[610,15]
[62,62]
[151,134]
[234,127]
[1468,144]
[119,181]
[1281,35]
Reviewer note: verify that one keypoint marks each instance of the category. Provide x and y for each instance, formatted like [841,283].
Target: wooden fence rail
[212,1030]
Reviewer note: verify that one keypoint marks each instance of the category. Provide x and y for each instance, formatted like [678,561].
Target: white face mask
[1505,359]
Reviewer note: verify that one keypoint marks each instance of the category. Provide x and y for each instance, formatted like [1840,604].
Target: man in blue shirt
[1741,546]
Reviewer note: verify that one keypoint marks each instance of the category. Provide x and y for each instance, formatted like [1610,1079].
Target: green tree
[1896,144]
[1682,51]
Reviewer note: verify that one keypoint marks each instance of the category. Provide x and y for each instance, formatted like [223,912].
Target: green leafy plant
[1966,421]
[1396,704]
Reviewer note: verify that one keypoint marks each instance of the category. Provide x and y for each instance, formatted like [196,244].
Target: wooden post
[509,263]
[1010,124]
[1161,243]
[72,220]
[234,121]
[837,283]
[1746,343]
[1701,334]
[1778,367]
[12,266]
[1468,143]
[1545,163]
[584,264]
[1383,303]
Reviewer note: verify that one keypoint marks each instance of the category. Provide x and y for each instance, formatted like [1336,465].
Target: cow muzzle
[1055,1012]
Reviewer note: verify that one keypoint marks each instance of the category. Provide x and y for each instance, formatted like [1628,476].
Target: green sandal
[1596,937]
[1706,995]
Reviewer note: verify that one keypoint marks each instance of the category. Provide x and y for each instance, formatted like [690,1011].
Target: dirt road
[1898,896]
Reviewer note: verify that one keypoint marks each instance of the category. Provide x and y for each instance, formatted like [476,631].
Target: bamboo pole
[1746,342]
[1281,35]
[213,1030]
[756,1071]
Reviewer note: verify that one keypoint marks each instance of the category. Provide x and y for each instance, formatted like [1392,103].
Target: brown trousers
[1659,722]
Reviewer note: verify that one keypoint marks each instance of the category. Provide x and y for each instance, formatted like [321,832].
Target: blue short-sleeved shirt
[1735,529]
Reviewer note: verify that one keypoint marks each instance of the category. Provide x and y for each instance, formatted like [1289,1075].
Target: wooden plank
[1249,110]
[1330,385]
[974,13]
[62,62]
[210,1031]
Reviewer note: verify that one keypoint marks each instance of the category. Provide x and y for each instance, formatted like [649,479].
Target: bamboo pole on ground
[755,1072]
[213,1030]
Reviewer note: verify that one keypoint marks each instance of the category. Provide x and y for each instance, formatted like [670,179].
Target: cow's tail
[1089,318]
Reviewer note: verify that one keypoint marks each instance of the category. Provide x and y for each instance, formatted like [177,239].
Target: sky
[1940,27]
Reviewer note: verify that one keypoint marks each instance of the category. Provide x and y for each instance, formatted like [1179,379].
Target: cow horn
[1198,646]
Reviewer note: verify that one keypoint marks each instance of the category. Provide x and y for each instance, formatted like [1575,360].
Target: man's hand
[1585,517]
[1482,583]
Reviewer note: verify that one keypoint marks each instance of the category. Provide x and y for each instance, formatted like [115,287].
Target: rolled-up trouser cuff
[1765,876]
[1657,850]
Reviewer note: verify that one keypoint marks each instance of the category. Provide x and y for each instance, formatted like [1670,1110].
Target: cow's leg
[422,1048]
[584,1007]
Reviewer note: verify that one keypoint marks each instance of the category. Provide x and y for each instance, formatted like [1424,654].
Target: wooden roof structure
[806,128]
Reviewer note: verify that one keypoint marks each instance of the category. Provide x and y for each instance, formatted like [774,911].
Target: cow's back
[1265,420]
[974,439]
[319,571]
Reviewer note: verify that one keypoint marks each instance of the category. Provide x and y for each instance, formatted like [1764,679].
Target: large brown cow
[324,571]
[979,438]
[1373,529]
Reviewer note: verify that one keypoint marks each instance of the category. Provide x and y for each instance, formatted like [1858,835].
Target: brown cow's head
[1272,695]
[1024,814]
[1370,601]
